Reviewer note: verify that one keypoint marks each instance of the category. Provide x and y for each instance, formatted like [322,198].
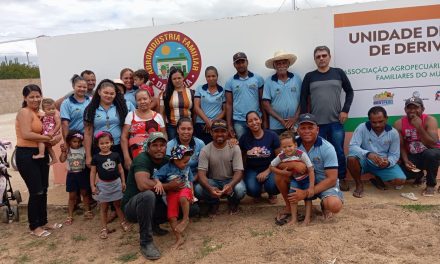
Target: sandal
[53,226]
[411,196]
[45,233]
[69,221]
[428,191]
[104,233]
[88,215]
[273,199]
[125,226]
[282,219]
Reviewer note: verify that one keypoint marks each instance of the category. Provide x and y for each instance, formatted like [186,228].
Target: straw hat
[281,55]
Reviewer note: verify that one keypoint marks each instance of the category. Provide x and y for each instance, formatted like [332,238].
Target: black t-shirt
[259,152]
[107,166]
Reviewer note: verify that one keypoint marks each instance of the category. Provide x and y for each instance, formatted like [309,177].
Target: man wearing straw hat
[321,96]
[281,95]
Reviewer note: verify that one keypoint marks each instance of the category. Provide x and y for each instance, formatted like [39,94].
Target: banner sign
[390,55]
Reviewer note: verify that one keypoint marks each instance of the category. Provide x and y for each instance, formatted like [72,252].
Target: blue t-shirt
[211,104]
[245,94]
[194,161]
[322,155]
[169,172]
[71,110]
[259,152]
[284,97]
[130,96]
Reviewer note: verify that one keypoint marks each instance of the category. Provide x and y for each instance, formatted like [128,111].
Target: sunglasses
[317,57]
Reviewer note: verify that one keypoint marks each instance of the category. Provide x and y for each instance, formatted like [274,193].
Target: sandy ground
[382,227]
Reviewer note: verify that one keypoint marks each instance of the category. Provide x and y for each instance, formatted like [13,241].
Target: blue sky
[22,19]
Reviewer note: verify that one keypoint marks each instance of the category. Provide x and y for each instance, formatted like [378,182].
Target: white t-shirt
[158,118]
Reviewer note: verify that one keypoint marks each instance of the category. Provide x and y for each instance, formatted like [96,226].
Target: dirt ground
[382,227]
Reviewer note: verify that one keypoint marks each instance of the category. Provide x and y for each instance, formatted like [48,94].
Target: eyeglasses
[317,57]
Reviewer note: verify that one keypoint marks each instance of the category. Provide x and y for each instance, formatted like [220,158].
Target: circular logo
[172,49]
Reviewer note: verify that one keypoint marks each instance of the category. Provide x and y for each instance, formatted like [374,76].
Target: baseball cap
[307,118]
[155,136]
[239,56]
[177,152]
[415,101]
[219,124]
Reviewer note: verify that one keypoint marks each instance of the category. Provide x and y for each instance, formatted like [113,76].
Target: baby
[51,126]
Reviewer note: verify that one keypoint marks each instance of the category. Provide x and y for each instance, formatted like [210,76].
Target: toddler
[177,167]
[110,183]
[77,179]
[51,127]
[299,181]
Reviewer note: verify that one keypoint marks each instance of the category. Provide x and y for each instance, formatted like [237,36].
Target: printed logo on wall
[437,95]
[383,98]
[172,49]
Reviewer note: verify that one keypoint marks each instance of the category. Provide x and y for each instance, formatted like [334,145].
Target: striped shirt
[181,104]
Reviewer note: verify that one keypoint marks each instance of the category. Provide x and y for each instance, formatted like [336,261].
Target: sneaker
[149,251]
[343,185]
[158,231]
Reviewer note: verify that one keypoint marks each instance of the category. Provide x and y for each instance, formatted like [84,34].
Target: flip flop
[282,219]
[411,196]
[45,233]
[358,194]
[379,185]
[53,227]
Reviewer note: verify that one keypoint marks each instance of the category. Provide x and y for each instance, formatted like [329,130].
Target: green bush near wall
[18,71]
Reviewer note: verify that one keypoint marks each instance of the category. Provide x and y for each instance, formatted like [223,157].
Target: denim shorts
[385,174]
[302,184]
[333,191]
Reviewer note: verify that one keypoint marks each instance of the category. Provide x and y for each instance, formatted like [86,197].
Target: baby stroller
[8,212]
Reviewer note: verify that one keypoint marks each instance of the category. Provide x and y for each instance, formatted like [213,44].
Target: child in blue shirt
[177,167]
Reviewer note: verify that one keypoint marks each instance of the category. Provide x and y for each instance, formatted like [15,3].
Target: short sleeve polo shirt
[245,94]
[284,97]
[72,111]
[211,103]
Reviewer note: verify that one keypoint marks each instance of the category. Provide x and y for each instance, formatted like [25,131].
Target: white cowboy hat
[281,55]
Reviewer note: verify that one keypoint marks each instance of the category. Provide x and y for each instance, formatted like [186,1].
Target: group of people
[127,147]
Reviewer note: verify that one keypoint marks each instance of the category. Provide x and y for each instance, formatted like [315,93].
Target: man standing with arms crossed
[321,96]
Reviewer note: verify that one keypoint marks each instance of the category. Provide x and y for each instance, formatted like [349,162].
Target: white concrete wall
[107,52]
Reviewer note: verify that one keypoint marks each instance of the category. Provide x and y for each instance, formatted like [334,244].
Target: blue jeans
[238,193]
[253,186]
[240,128]
[335,134]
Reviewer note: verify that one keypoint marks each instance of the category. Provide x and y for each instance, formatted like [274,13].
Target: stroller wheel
[17,196]
[16,216]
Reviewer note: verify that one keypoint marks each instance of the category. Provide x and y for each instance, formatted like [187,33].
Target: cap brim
[239,59]
[151,141]
[217,128]
[307,121]
[413,103]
